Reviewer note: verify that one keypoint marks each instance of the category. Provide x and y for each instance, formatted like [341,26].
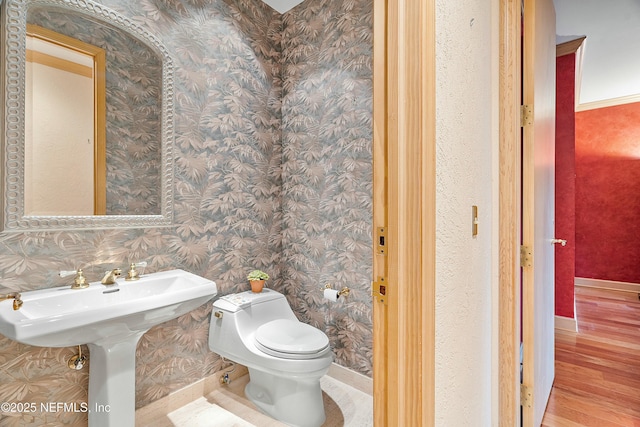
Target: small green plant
[258,275]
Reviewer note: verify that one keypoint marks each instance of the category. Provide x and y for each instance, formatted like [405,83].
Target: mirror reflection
[108,148]
[64,125]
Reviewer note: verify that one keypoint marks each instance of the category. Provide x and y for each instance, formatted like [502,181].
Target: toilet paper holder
[342,292]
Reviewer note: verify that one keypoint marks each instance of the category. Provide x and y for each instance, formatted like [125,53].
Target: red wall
[608,193]
[565,227]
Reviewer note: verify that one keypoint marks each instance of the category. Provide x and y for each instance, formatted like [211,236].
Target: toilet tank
[241,314]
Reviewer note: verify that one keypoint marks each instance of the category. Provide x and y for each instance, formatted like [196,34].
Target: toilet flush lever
[560,241]
[218,314]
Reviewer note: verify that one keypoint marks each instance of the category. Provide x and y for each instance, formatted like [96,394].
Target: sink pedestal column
[112,382]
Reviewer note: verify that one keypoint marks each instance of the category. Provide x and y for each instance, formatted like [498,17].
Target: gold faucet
[79,282]
[133,273]
[17,302]
[111,276]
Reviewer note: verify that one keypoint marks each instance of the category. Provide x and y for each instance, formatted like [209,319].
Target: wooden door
[538,164]
[404,213]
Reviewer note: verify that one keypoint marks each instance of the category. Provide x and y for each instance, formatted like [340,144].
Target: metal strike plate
[381,238]
[526,256]
[474,220]
[379,290]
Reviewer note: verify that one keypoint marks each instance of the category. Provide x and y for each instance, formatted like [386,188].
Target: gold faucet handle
[65,273]
[133,273]
[79,282]
[17,301]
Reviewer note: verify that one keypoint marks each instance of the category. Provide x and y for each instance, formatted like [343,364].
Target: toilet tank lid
[235,302]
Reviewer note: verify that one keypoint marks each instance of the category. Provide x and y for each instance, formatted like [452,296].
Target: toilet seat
[290,339]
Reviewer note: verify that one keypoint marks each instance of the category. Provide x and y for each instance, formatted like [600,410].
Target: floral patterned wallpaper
[327,170]
[273,171]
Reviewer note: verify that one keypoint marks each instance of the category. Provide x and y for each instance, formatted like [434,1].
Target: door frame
[509,224]
[391,65]
[404,205]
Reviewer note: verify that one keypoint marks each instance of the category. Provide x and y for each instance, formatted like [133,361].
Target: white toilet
[286,358]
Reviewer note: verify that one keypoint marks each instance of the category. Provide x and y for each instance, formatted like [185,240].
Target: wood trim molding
[58,63]
[630,99]
[578,74]
[566,323]
[577,46]
[354,379]
[404,141]
[428,306]
[427,283]
[570,46]
[574,46]
[100,134]
[608,284]
[380,311]
[509,213]
[62,40]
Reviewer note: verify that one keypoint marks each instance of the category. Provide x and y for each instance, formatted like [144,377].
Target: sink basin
[110,320]
[63,317]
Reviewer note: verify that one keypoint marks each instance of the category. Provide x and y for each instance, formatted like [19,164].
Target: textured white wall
[466,84]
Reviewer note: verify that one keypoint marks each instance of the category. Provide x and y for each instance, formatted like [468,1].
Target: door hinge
[379,290]
[526,256]
[526,396]
[526,115]
[381,240]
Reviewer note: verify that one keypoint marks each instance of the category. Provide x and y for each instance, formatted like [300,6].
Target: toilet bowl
[286,358]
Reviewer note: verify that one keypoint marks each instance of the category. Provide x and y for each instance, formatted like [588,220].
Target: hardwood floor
[597,379]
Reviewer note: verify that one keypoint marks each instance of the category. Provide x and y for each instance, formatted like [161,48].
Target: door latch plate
[379,290]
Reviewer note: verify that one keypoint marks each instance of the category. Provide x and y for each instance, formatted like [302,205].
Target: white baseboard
[607,284]
[566,323]
[352,378]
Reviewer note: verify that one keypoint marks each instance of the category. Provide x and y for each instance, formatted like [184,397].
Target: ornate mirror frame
[14,24]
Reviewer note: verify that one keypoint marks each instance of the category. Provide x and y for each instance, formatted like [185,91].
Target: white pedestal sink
[110,320]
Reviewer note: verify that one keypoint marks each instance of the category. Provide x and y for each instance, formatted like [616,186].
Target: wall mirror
[111,82]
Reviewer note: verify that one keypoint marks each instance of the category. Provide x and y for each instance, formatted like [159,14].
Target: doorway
[527,61]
